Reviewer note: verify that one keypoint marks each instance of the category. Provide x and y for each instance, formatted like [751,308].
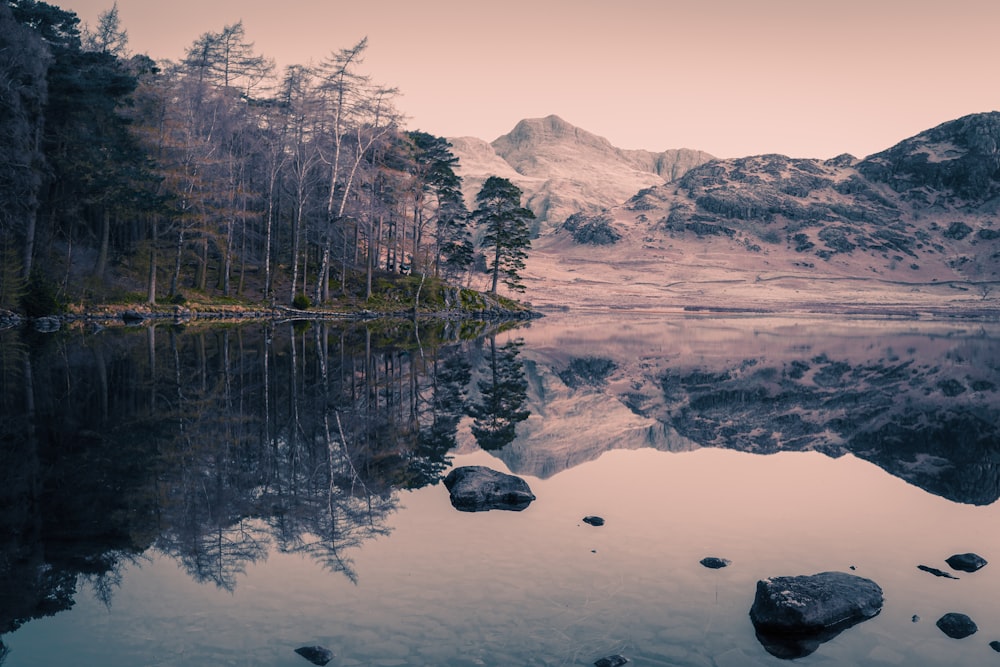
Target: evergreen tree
[505,230]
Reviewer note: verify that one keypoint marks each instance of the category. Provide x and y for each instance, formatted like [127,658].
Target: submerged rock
[478,489]
[317,655]
[611,661]
[936,572]
[593,520]
[794,615]
[966,562]
[957,626]
[714,563]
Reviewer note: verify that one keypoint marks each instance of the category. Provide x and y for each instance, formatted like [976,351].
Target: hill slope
[563,169]
[912,226]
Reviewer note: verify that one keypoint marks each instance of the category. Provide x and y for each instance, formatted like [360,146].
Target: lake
[224,495]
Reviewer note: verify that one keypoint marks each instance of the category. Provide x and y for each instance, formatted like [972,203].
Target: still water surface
[223,496]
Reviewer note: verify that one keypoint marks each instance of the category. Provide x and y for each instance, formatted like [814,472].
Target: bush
[40,298]
[301,302]
[178,299]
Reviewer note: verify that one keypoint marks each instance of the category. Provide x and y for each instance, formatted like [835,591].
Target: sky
[804,78]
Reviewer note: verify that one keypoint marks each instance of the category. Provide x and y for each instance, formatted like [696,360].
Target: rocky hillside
[564,170]
[917,222]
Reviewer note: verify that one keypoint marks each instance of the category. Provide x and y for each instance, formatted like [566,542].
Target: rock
[936,572]
[48,324]
[611,661]
[957,626]
[915,619]
[132,317]
[479,489]
[593,520]
[317,655]
[966,562]
[794,615]
[714,563]
[995,645]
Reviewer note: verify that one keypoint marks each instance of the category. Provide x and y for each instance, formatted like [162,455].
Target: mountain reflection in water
[220,448]
[919,399]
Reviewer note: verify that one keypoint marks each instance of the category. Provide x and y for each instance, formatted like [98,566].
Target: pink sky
[730,77]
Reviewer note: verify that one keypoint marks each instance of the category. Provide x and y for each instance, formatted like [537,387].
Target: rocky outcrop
[794,615]
[957,160]
[479,489]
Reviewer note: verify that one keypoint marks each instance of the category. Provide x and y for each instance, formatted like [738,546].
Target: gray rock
[48,324]
[714,563]
[317,655]
[478,489]
[132,317]
[794,615]
[957,626]
[809,603]
[611,661]
[969,562]
[995,645]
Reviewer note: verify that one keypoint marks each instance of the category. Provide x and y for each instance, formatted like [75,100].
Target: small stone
[317,655]
[915,619]
[957,626]
[611,661]
[966,562]
[714,563]
[995,645]
[593,520]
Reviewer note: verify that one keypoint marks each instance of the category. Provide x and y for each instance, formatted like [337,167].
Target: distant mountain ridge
[562,169]
[918,219]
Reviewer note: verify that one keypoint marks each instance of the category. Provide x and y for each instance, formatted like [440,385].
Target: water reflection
[221,448]
[213,446]
[920,400]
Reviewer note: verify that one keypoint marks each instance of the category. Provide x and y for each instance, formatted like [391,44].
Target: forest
[218,178]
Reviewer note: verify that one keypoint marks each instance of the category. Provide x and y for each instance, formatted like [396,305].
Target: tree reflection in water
[212,446]
[502,397]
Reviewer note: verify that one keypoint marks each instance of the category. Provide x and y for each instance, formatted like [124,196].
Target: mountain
[913,226]
[562,169]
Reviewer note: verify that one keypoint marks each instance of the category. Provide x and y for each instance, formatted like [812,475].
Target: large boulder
[478,489]
[794,615]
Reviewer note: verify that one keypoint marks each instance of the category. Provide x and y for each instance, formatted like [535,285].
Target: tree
[23,94]
[109,37]
[435,175]
[505,230]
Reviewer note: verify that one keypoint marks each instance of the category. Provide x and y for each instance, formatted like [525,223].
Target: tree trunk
[102,255]
[177,260]
[203,278]
[151,285]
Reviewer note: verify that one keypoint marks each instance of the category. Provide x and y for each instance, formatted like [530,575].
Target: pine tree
[505,230]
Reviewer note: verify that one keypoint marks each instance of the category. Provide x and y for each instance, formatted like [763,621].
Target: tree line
[217,176]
